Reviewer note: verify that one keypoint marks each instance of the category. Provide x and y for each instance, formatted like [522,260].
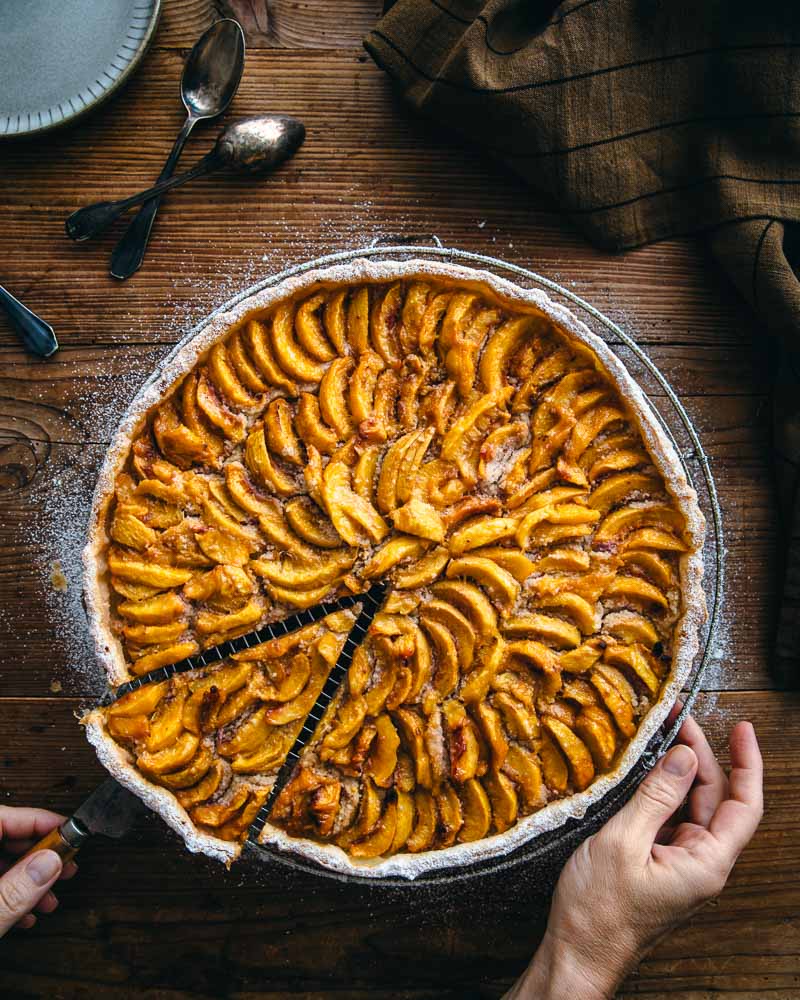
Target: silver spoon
[209,82]
[36,335]
[251,145]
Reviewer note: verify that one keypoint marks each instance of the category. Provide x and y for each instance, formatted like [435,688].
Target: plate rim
[113,88]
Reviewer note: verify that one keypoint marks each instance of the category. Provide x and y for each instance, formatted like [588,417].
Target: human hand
[649,868]
[25,885]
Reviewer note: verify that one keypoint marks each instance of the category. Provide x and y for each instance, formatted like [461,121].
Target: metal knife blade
[110,810]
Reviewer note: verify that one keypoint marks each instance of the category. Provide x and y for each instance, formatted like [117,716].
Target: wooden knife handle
[54,841]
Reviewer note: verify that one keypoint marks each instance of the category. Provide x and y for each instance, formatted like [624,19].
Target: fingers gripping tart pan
[464,439]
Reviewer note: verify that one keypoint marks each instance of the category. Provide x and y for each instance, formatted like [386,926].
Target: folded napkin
[644,120]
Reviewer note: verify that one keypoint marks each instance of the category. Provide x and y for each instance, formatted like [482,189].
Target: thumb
[23,886]
[657,798]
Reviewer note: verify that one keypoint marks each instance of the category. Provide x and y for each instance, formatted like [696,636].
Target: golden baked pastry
[449,433]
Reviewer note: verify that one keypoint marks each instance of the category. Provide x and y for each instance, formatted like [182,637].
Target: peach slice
[246,371]
[554,766]
[460,628]
[381,839]
[166,724]
[520,719]
[163,657]
[268,474]
[620,709]
[335,320]
[396,550]
[383,325]
[142,701]
[291,357]
[581,659]
[424,830]
[195,770]
[470,600]
[488,719]
[481,530]
[447,671]
[596,730]
[131,727]
[217,813]
[383,755]
[173,757]
[362,389]
[412,731]
[308,328]
[629,627]
[503,799]
[349,719]
[521,766]
[258,341]
[500,348]
[500,584]
[204,789]
[581,765]
[215,409]
[463,744]
[310,427]
[226,379]
[148,573]
[404,821]
[633,588]
[554,631]
[249,735]
[477,683]
[451,819]
[477,812]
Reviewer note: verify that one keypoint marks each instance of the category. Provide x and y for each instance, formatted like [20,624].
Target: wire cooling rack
[549,850]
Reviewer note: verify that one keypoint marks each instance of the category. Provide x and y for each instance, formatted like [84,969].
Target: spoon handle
[129,252]
[36,335]
[88,222]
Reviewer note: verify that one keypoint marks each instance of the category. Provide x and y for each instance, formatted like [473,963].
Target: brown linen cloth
[644,120]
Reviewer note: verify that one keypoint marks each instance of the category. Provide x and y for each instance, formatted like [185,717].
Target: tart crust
[109,651]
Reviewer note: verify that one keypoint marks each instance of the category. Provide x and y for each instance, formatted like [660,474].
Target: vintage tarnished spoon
[35,334]
[209,82]
[251,145]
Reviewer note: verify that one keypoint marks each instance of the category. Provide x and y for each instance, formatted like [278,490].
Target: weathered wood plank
[308,24]
[292,24]
[183,21]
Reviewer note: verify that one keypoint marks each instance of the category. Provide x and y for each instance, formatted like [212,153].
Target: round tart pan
[545,851]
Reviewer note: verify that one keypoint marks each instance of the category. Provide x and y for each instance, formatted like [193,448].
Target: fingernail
[679,761]
[43,866]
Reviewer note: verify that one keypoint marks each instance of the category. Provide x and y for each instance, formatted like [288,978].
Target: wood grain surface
[145,918]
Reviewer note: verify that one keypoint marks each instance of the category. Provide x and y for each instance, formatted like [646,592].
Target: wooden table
[145,917]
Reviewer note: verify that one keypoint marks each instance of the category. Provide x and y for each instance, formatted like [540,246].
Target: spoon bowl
[213,70]
[253,145]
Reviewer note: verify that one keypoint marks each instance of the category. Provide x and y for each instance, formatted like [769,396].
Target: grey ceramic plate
[60,58]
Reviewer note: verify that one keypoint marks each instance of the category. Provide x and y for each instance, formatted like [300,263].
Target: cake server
[110,810]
